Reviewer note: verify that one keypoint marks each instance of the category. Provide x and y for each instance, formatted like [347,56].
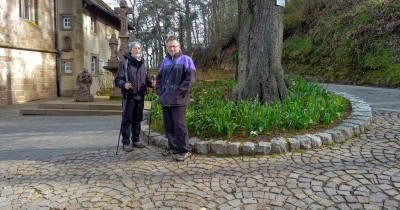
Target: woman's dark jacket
[174,80]
[137,75]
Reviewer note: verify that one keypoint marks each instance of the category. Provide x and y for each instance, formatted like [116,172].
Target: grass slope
[344,41]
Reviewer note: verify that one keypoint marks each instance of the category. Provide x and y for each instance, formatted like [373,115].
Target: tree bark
[188,24]
[195,31]
[160,53]
[204,22]
[260,72]
[181,32]
[215,20]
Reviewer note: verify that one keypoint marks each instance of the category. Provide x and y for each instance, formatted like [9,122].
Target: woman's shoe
[127,148]
[139,144]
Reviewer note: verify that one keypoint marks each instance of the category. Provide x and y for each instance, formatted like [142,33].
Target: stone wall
[27,53]
[33,34]
[26,76]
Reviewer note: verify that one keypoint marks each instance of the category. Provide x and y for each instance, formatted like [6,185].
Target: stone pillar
[112,65]
[122,12]
[113,61]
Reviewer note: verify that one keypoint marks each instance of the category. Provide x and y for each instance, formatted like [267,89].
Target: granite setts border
[354,125]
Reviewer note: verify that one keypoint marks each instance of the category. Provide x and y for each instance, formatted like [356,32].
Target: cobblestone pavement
[46,165]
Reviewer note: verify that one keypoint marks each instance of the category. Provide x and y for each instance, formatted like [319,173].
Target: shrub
[213,115]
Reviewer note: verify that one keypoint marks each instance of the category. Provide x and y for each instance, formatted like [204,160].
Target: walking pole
[148,137]
[123,104]
[151,111]
[120,129]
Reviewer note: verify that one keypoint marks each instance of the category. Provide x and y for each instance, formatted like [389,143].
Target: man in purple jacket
[173,84]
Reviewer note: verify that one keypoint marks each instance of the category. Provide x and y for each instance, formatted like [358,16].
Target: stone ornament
[83,81]
[113,46]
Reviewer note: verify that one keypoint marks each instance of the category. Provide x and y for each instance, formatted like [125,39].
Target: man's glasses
[173,46]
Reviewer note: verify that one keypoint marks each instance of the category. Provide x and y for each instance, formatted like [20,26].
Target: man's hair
[172,38]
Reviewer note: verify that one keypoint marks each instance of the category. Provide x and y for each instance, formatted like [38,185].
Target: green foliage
[362,19]
[343,53]
[389,76]
[345,41]
[298,47]
[211,114]
[151,96]
[294,16]
[156,122]
[381,59]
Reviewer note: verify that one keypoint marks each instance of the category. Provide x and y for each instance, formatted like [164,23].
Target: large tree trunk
[260,72]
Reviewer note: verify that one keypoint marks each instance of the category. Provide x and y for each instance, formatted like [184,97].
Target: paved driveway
[386,99]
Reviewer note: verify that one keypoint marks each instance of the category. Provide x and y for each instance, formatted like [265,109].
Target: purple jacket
[174,80]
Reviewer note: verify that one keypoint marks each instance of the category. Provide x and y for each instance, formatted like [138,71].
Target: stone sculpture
[83,81]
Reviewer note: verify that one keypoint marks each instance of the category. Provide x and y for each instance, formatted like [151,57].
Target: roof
[103,5]
[101,9]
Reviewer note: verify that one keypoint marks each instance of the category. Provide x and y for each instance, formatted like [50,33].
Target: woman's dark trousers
[131,120]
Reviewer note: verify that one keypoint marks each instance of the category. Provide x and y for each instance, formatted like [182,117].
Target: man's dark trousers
[131,120]
[175,128]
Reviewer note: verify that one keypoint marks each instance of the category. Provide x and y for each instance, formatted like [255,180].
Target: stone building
[84,29]
[44,45]
[27,51]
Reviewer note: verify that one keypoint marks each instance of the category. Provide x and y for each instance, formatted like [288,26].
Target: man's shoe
[182,156]
[139,144]
[127,148]
[169,152]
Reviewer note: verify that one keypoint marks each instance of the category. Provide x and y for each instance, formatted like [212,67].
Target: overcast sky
[112,3]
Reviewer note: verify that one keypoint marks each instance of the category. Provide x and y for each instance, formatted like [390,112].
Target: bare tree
[199,23]
[188,26]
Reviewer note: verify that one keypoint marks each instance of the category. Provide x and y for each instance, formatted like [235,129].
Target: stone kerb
[359,119]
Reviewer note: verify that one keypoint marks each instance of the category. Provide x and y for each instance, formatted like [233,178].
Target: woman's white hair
[132,44]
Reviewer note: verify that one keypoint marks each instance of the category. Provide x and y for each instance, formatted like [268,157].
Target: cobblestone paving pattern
[363,173]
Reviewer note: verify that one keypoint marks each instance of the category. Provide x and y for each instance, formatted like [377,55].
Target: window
[67,23]
[28,9]
[106,32]
[67,66]
[67,44]
[93,27]
[95,64]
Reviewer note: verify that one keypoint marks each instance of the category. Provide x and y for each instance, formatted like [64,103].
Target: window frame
[64,70]
[28,10]
[67,47]
[94,66]
[63,22]
[93,24]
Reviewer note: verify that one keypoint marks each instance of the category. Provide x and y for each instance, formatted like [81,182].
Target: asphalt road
[383,99]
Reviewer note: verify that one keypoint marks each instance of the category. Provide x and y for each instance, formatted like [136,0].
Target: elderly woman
[133,80]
